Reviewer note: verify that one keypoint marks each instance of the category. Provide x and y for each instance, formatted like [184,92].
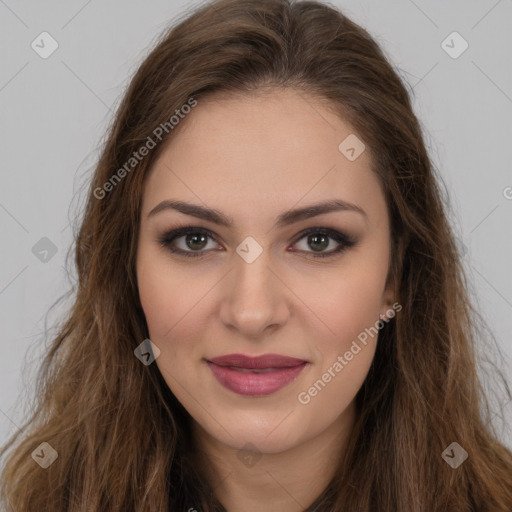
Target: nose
[256,300]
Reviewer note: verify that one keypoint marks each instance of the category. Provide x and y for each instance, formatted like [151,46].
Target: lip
[254,376]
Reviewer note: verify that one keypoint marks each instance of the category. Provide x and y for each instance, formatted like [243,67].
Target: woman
[271,313]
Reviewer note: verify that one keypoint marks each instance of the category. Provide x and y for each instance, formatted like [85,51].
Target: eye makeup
[344,241]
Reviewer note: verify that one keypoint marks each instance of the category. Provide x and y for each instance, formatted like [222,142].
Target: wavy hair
[122,438]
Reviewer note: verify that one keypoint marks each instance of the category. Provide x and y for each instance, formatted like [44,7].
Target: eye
[195,239]
[319,239]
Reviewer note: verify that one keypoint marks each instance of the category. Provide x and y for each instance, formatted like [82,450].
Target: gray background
[53,113]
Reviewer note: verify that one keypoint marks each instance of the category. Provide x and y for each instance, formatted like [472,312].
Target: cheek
[174,307]
[346,302]
[344,352]
[157,292]
[165,293]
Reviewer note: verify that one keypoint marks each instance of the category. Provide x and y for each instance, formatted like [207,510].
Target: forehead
[261,153]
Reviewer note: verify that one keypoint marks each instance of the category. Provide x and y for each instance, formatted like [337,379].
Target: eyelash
[344,240]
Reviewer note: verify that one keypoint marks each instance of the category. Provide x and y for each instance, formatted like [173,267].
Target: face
[301,286]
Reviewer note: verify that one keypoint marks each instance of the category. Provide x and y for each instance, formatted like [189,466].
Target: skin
[253,157]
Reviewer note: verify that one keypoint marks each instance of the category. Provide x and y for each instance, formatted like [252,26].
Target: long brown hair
[122,437]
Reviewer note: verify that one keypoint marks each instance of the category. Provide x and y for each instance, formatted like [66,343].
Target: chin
[274,439]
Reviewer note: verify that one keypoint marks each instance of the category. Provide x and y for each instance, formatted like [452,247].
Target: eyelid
[344,240]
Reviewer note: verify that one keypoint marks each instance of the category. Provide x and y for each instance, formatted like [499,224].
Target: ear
[388,298]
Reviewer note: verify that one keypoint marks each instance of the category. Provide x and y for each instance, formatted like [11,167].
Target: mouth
[251,376]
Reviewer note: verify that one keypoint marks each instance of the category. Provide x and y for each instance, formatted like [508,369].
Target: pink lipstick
[254,376]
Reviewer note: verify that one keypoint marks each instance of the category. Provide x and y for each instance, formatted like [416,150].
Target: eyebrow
[288,217]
